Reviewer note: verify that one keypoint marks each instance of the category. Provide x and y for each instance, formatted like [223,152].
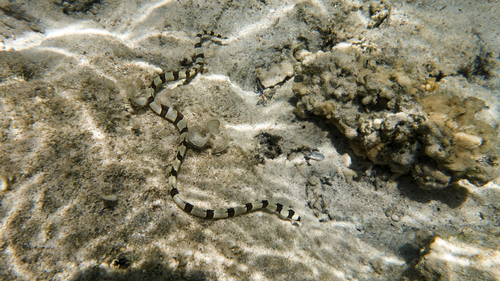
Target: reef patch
[391,119]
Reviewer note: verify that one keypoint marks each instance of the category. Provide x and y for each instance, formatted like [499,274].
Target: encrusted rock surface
[276,74]
[391,120]
[461,257]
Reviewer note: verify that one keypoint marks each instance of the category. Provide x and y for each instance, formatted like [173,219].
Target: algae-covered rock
[275,74]
[389,119]
[378,13]
[461,257]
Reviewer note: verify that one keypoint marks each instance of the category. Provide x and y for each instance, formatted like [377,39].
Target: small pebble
[315,155]
[389,211]
[395,218]
[4,183]
[109,201]
[346,160]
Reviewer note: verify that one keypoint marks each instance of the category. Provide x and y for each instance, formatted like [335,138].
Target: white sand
[83,173]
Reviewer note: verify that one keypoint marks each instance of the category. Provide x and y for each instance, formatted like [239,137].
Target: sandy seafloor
[83,172]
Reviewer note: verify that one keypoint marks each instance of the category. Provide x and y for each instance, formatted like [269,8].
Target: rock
[435,137]
[451,259]
[276,74]
[4,183]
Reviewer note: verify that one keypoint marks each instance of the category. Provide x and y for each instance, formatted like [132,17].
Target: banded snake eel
[176,118]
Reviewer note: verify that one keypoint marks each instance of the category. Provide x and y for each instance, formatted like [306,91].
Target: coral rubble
[389,119]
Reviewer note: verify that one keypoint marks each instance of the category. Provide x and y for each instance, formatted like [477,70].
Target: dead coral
[378,13]
[75,6]
[276,74]
[433,136]
[430,85]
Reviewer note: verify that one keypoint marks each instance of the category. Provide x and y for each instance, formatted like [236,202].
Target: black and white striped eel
[177,119]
